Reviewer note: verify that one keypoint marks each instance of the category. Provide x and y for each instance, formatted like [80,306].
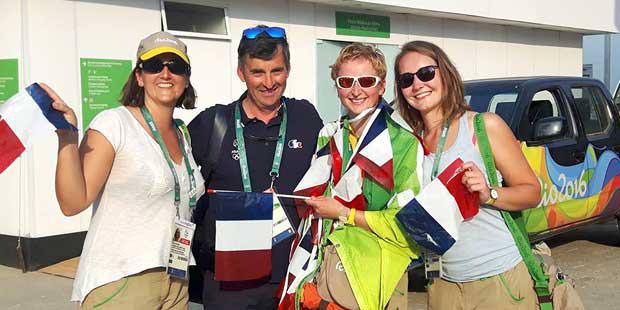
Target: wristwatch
[492,197]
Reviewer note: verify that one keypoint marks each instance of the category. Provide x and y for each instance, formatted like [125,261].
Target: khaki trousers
[399,300]
[150,289]
[513,289]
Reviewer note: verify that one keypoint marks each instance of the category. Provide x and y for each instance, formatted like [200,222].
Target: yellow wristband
[351,218]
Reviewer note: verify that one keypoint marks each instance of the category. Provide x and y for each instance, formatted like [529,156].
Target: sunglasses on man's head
[368,81]
[272,32]
[424,74]
[156,65]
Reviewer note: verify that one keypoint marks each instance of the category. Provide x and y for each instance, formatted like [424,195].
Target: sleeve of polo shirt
[314,120]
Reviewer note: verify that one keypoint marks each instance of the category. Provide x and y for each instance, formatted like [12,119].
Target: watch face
[494,194]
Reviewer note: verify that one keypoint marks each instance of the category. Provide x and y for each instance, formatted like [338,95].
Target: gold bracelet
[351,218]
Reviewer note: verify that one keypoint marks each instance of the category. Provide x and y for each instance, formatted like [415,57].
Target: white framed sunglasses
[366,81]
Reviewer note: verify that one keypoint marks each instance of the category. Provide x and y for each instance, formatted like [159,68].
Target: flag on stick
[25,117]
[243,235]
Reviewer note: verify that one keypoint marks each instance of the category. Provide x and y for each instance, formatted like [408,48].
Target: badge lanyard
[432,261]
[177,186]
[347,148]
[243,159]
[439,150]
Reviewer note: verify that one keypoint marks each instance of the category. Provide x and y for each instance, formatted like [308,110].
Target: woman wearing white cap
[135,165]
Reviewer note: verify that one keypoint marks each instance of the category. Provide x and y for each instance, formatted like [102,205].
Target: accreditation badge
[180,248]
[282,228]
[432,265]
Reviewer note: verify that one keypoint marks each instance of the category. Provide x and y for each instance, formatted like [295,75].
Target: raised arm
[80,173]
[522,189]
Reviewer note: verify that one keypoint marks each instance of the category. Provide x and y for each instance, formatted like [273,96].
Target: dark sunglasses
[257,138]
[424,74]
[368,81]
[156,65]
[272,32]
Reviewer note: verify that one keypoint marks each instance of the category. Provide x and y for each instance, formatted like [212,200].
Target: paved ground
[590,255]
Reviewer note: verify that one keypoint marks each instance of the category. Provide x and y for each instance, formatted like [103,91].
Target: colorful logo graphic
[572,193]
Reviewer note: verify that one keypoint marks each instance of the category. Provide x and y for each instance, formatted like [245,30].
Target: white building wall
[599,15]
[56,33]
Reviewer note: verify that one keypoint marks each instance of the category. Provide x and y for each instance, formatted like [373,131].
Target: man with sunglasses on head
[268,121]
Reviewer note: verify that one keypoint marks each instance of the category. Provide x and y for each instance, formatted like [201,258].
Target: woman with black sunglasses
[135,166]
[483,269]
[367,157]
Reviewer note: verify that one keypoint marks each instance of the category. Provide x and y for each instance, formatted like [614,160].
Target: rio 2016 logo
[569,189]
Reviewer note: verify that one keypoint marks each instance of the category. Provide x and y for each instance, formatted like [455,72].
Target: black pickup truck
[569,129]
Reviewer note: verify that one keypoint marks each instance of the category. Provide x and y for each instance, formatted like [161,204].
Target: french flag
[25,117]
[372,158]
[243,235]
[432,218]
[374,155]
[316,178]
[304,260]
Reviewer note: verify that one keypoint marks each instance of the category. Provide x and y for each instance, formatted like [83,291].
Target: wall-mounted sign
[9,82]
[364,25]
[102,81]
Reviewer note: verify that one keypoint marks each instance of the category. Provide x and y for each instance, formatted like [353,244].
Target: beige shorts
[150,289]
[513,289]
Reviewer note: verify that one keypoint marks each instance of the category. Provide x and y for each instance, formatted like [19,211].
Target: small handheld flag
[25,117]
[432,218]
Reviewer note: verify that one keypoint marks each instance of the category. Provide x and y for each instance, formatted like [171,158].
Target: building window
[587,71]
[181,17]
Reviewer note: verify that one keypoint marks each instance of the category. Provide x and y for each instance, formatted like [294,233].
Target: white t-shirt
[132,225]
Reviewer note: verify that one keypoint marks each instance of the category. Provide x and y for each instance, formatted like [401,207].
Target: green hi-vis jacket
[375,261]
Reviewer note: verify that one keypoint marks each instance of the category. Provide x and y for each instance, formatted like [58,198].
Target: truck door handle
[579,155]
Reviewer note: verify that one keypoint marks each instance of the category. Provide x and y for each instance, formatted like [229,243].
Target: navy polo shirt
[303,126]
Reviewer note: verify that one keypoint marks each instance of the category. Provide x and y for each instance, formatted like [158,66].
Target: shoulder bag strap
[541,281]
[220,125]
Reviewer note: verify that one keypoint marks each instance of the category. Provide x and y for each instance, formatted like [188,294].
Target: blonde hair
[360,50]
[453,103]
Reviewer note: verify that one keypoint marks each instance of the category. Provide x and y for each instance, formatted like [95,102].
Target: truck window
[592,109]
[544,103]
[617,97]
[499,99]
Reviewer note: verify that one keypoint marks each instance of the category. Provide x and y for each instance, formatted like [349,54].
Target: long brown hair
[452,104]
[133,95]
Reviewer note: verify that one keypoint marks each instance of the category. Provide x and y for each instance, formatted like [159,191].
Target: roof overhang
[411,7]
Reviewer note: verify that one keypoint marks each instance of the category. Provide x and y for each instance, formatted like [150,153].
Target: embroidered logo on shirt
[235,152]
[294,144]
